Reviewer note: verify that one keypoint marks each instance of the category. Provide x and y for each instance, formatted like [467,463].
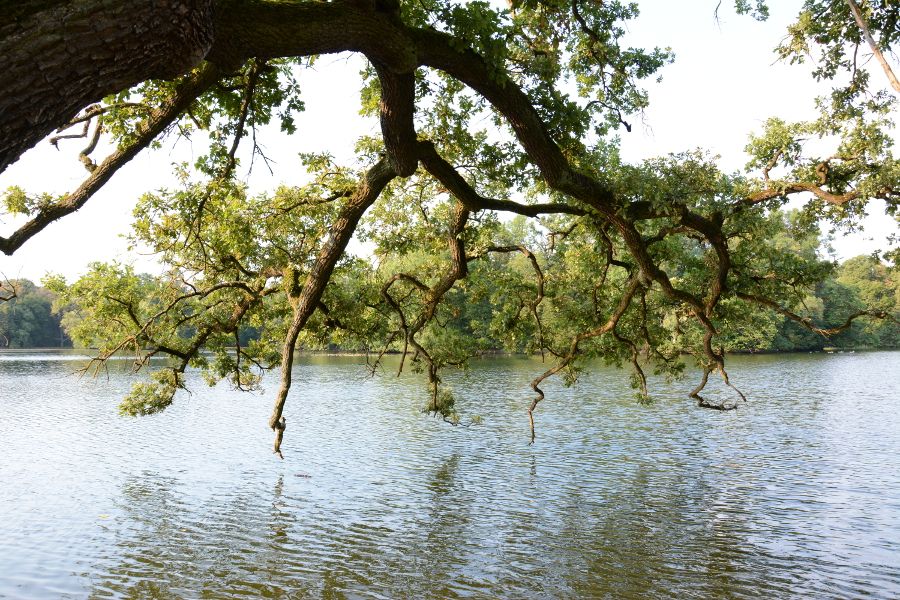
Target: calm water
[797,494]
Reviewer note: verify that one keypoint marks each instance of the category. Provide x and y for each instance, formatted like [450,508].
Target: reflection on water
[796,494]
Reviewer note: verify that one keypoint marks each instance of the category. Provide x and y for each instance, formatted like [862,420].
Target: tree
[834,27]
[877,287]
[483,111]
[26,319]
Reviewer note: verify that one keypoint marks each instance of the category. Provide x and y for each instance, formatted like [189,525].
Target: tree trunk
[58,56]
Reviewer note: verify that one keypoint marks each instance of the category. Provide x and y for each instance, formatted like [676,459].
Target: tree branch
[807,321]
[624,302]
[160,118]
[305,303]
[857,15]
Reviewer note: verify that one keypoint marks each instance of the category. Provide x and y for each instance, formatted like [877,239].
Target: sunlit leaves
[147,398]
[827,33]
[16,201]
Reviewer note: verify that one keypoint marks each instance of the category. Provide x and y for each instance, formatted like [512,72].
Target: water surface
[796,494]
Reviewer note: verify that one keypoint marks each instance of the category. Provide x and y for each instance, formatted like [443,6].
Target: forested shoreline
[34,318]
[28,319]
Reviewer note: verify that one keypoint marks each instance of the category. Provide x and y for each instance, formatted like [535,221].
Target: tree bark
[58,56]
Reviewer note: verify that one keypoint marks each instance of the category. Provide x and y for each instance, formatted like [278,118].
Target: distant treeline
[29,319]
[859,283]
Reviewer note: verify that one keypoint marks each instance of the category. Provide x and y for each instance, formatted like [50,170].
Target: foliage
[826,34]
[487,113]
[26,318]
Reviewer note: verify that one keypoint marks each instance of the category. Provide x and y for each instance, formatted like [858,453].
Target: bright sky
[723,85]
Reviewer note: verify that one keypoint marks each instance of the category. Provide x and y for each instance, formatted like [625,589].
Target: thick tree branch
[60,56]
[397,107]
[450,178]
[156,123]
[793,188]
[305,303]
[266,29]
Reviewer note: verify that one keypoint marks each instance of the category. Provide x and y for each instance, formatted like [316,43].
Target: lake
[796,494]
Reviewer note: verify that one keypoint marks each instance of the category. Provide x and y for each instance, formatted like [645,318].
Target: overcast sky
[723,85]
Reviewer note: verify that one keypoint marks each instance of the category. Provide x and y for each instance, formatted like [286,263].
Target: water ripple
[797,494]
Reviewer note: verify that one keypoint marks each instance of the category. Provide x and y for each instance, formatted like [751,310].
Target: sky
[723,85]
